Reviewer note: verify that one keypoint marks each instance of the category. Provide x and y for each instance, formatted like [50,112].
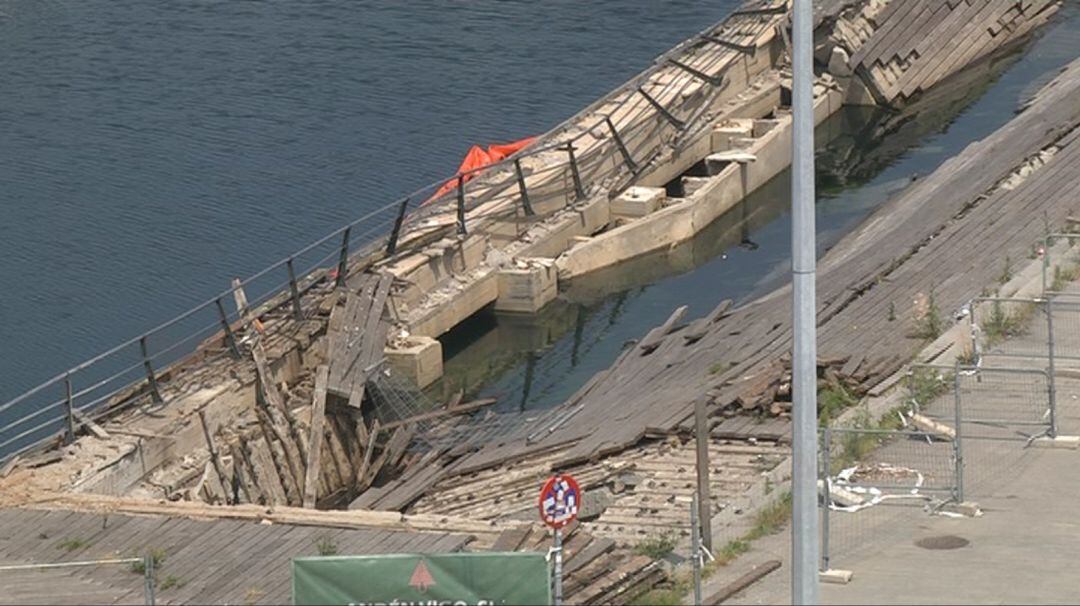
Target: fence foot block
[835,577]
[968,509]
[1066,442]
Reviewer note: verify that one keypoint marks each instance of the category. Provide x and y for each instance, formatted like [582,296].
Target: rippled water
[864,157]
[151,151]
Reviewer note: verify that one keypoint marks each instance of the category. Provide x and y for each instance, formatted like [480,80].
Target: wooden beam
[215,458]
[82,419]
[756,573]
[318,415]
[435,414]
[361,474]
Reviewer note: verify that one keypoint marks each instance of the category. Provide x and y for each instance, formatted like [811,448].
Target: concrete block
[692,184]
[836,577]
[968,509]
[761,127]
[724,133]
[419,360]
[638,201]
[1062,442]
[526,289]
[838,62]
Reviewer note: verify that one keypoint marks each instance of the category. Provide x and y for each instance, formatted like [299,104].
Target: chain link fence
[959,428]
[21,581]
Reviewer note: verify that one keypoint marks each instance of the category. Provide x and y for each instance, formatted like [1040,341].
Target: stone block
[724,133]
[419,360]
[638,202]
[526,289]
[835,577]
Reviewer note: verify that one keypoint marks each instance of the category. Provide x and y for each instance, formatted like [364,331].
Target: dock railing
[601,150]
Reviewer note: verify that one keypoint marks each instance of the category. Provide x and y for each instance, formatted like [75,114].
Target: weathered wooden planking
[318,416]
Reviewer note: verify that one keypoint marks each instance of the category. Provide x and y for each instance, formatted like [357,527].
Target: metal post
[622,147]
[695,548]
[677,123]
[391,244]
[557,552]
[525,204]
[804,527]
[1045,262]
[1052,386]
[343,260]
[230,339]
[148,578]
[701,431]
[70,405]
[294,289]
[958,446]
[579,191]
[826,463]
[150,378]
[461,205]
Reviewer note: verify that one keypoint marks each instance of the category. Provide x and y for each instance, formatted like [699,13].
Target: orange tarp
[477,158]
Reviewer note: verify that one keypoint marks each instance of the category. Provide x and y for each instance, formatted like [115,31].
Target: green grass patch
[1064,275]
[930,325]
[834,400]
[657,547]
[326,546]
[157,558]
[1003,324]
[74,544]
[172,581]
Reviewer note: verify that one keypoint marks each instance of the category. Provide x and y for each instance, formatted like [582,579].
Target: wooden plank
[740,584]
[318,415]
[215,457]
[511,539]
[85,421]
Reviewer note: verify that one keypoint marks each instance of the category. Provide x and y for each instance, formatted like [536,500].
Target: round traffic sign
[560,499]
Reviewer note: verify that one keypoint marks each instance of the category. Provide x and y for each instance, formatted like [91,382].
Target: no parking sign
[560,499]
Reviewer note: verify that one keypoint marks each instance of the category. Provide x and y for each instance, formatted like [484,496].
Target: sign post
[560,499]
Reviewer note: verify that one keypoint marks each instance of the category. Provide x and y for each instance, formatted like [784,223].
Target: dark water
[151,151]
[864,157]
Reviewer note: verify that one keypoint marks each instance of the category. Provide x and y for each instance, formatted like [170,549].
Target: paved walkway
[1023,550]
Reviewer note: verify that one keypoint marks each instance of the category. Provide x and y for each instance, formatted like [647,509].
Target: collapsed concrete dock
[308,415]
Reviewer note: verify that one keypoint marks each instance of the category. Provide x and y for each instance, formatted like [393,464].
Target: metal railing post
[1045,262]
[525,204]
[461,205]
[70,407]
[958,446]
[677,123]
[343,260]
[1052,383]
[148,578]
[230,338]
[151,379]
[622,147]
[391,243]
[294,291]
[579,191]
[826,453]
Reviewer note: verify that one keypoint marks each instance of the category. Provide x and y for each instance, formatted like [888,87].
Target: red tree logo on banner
[421,577]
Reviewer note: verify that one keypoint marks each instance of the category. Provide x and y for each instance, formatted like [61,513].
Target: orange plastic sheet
[477,157]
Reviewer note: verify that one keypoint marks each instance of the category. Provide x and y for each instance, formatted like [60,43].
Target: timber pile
[643,492]
[323,443]
[947,235]
[903,47]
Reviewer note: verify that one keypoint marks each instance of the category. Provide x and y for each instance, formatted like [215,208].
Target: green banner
[451,579]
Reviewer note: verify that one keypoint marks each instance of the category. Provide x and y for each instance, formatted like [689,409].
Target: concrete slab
[1061,442]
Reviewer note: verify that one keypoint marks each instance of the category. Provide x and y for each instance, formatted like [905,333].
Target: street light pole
[804,527]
